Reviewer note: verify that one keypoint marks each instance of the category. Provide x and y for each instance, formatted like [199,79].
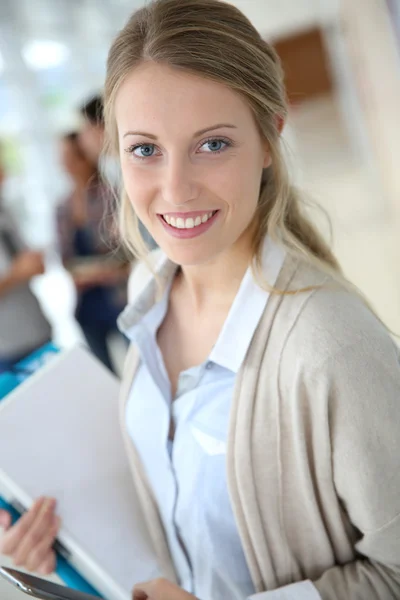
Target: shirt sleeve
[362,382]
[303,590]
[64,232]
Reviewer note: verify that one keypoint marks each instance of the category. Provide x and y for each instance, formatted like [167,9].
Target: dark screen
[41,588]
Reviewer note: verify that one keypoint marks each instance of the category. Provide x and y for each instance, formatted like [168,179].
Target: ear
[267,158]
[280,123]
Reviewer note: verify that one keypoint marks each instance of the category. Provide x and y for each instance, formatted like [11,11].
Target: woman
[99,277]
[23,325]
[260,396]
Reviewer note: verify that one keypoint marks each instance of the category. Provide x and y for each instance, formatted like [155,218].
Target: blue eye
[214,145]
[143,150]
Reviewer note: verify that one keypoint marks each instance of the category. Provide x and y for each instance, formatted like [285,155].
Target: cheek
[240,187]
[138,185]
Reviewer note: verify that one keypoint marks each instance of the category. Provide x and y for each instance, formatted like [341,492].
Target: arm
[359,382]
[162,589]
[23,268]
[64,232]
[363,384]
[103,275]
[7,283]
[304,590]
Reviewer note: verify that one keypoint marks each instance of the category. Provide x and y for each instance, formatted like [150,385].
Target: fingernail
[47,506]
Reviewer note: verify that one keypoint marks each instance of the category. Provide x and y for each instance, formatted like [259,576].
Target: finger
[139,594]
[5,520]
[157,589]
[160,589]
[41,552]
[14,536]
[48,566]
[141,591]
[34,536]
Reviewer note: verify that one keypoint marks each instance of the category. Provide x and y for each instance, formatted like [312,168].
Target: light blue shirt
[188,476]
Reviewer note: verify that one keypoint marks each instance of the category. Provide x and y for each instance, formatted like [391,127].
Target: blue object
[19,372]
[8,382]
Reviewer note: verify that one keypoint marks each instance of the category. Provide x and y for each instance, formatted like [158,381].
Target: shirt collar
[246,311]
[243,318]
[147,289]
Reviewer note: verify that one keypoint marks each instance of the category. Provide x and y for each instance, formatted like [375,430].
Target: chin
[190,256]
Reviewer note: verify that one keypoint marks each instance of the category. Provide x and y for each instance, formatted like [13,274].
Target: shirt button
[209,365]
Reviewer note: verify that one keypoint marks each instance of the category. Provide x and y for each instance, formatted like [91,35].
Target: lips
[189,225]
[190,222]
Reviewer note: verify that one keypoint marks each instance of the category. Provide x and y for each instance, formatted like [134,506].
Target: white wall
[376,73]
[279,18]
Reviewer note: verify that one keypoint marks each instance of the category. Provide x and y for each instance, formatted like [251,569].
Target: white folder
[60,436]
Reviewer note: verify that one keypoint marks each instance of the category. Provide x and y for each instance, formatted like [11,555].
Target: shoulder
[332,320]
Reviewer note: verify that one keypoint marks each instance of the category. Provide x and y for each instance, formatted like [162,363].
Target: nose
[178,185]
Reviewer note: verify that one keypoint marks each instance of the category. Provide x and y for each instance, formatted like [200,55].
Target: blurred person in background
[23,326]
[88,247]
[91,135]
[91,138]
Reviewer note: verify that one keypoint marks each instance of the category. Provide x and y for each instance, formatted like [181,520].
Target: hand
[26,265]
[101,275]
[88,279]
[29,542]
[160,589]
[84,281]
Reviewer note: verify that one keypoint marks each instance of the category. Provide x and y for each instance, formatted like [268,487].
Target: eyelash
[229,144]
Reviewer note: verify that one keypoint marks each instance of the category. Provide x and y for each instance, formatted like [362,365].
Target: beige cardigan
[313,455]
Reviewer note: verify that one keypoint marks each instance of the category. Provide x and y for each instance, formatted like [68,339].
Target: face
[70,158]
[192,160]
[91,139]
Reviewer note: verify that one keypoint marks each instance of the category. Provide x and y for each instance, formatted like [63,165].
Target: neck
[217,282]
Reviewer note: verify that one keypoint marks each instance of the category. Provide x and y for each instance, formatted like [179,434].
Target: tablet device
[41,588]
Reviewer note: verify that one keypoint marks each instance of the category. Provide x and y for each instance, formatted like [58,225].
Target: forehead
[160,96]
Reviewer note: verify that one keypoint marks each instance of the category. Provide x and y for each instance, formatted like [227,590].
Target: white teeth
[190,223]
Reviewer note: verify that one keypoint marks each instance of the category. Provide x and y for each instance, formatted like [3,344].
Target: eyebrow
[197,134]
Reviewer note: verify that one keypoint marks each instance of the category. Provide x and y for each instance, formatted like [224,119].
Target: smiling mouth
[189,223]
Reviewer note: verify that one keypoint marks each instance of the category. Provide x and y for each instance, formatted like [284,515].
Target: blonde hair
[213,39]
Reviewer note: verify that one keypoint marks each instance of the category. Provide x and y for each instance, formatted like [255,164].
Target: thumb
[160,589]
[139,594]
[5,520]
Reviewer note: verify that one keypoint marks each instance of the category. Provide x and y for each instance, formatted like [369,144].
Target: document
[60,436]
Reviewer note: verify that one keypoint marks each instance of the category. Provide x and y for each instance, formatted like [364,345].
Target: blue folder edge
[8,382]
